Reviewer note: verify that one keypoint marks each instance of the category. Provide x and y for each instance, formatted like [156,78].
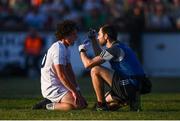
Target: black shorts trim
[122,89]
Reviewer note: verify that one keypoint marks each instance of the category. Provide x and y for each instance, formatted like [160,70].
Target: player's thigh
[68,98]
[104,73]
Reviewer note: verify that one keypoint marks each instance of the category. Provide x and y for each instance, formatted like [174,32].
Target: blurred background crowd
[27,29]
[44,14]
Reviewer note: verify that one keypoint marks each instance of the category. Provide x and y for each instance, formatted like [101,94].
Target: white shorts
[55,95]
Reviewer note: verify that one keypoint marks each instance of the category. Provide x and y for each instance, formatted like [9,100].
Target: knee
[95,71]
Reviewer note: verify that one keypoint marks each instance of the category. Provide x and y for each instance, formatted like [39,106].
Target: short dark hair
[110,31]
[65,28]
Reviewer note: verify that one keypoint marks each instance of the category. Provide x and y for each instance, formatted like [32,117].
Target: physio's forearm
[96,47]
[85,59]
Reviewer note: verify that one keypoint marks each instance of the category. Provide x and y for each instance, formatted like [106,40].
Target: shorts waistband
[134,77]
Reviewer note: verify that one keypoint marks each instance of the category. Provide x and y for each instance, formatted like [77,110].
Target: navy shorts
[123,89]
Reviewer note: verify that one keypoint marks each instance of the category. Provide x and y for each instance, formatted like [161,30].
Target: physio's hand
[83,47]
[92,34]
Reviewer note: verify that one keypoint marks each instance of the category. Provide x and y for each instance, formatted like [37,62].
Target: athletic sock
[100,104]
[50,106]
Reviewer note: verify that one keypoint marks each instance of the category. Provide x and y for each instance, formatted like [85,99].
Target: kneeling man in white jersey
[58,83]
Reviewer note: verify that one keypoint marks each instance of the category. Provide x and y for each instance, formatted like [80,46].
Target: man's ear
[105,36]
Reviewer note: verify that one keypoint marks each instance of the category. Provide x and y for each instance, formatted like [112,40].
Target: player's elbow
[88,65]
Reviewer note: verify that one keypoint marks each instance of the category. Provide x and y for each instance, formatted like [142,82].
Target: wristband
[82,50]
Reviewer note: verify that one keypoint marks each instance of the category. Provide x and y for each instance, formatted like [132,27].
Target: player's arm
[71,72]
[73,80]
[63,76]
[89,63]
[59,67]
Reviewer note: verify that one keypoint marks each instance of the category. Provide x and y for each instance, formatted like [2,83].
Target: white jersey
[51,86]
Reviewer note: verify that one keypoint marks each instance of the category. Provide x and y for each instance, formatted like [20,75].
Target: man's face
[101,38]
[71,38]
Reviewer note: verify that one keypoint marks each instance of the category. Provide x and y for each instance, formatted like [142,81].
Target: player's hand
[85,104]
[79,101]
[92,34]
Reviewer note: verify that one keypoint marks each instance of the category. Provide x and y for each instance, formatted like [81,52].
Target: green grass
[17,96]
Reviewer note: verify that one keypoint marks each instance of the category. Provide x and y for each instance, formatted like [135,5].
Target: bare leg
[63,106]
[66,103]
[100,74]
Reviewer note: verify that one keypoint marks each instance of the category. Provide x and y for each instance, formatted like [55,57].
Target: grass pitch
[17,96]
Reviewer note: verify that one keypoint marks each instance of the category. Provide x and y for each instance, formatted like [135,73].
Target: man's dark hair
[65,28]
[110,31]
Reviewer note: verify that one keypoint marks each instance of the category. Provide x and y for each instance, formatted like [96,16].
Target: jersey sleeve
[59,55]
[114,53]
[106,55]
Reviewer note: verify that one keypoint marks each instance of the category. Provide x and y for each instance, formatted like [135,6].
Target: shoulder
[114,49]
[56,46]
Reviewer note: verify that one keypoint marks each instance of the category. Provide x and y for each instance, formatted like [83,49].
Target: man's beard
[103,44]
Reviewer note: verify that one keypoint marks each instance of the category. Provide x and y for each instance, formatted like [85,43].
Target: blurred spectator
[33,49]
[20,7]
[36,3]
[8,17]
[45,9]
[175,12]
[78,5]
[73,15]
[91,4]
[12,20]
[35,19]
[159,19]
[44,14]
[3,13]
[135,25]
[94,17]
[178,24]
[115,10]
[54,10]
[69,3]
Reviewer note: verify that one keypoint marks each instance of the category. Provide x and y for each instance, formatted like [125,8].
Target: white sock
[50,106]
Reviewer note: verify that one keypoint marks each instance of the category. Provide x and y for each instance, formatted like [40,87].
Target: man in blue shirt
[124,75]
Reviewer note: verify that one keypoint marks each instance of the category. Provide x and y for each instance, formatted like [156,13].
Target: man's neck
[110,43]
